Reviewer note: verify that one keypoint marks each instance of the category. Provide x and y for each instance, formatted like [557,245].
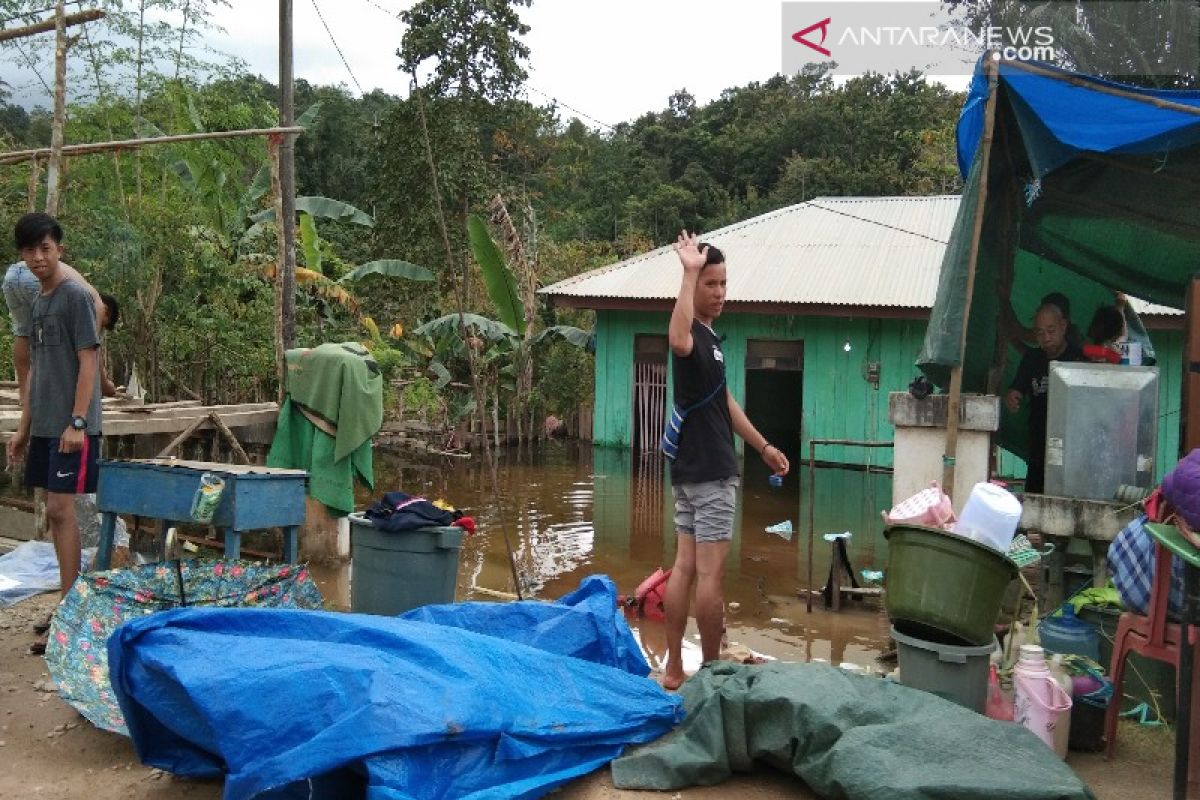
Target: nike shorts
[63,473]
[705,510]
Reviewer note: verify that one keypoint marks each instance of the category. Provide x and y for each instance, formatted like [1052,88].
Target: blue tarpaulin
[1090,189]
[1061,119]
[581,624]
[379,707]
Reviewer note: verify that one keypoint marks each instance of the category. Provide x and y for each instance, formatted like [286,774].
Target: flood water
[570,510]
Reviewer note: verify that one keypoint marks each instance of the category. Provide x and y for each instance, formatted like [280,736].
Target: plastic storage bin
[959,674]
[1067,634]
[944,587]
[395,572]
[990,516]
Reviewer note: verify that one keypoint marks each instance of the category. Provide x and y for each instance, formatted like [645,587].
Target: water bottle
[1066,633]
[1039,702]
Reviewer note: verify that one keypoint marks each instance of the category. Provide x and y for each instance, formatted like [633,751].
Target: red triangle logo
[823,26]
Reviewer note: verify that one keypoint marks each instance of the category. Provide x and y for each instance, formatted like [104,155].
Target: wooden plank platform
[124,420]
[231,469]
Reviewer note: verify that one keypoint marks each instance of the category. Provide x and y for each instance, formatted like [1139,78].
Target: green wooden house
[826,311]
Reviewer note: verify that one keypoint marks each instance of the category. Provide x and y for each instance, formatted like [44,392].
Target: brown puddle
[571,510]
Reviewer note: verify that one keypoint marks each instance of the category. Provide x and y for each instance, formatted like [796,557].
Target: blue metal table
[253,498]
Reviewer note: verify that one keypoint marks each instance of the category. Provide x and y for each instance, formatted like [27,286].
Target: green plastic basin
[943,587]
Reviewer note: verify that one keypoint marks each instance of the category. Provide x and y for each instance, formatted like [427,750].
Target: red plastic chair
[1152,636]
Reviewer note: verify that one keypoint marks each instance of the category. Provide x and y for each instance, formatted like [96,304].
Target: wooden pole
[234,444]
[182,437]
[280,247]
[47,25]
[54,165]
[954,403]
[1190,418]
[287,176]
[132,144]
[35,172]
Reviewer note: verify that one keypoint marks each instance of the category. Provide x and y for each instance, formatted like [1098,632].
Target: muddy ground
[49,751]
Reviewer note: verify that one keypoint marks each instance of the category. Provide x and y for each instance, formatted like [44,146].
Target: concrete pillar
[920,443]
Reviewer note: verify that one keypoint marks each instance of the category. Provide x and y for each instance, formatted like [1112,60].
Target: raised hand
[687,247]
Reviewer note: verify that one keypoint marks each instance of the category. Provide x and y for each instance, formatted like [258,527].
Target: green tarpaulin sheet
[1090,189]
[847,737]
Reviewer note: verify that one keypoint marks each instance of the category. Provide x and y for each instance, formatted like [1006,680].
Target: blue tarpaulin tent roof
[1078,116]
[1088,187]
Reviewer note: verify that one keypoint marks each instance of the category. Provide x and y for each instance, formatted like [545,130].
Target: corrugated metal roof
[851,251]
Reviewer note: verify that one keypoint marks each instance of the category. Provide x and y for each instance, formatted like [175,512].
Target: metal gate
[649,392]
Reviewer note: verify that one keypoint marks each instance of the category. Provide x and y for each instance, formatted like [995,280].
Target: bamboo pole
[47,25]
[35,172]
[59,122]
[280,248]
[954,403]
[131,144]
[1075,80]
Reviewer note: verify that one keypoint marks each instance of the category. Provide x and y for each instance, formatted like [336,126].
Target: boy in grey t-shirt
[60,415]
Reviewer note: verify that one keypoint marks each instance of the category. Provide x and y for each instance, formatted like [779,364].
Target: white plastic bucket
[990,516]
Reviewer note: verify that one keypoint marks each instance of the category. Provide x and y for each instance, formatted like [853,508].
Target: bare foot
[673,677]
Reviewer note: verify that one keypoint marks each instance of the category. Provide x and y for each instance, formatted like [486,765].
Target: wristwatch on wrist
[79,423]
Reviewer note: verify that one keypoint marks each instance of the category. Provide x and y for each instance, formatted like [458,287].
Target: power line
[321,17]
[389,12]
[556,101]
[875,222]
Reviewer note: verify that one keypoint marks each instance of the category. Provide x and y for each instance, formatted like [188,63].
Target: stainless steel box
[1101,429]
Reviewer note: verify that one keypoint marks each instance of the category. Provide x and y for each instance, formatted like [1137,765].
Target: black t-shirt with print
[706,441]
[1033,381]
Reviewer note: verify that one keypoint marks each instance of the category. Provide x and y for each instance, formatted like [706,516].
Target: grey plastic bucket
[395,572]
[957,673]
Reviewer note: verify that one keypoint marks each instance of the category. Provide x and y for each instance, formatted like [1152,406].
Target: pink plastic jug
[1039,702]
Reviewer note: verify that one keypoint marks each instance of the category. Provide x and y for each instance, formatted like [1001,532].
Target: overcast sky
[606,62]
[611,61]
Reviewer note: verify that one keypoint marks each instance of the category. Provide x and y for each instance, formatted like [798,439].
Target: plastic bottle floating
[207,497]
[781,529]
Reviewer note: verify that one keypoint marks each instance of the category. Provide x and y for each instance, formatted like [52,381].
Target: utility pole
[287,177]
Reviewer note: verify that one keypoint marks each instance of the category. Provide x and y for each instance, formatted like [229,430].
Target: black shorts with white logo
[63,473]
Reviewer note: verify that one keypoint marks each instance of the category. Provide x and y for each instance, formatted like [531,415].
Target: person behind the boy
[60,420]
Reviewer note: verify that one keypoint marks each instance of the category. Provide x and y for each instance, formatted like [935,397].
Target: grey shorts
[705,510]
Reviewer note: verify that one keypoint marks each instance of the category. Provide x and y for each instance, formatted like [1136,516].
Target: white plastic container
[990,516]
[1039,703]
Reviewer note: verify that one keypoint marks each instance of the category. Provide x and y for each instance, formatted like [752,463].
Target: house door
[775,392]
[649,391]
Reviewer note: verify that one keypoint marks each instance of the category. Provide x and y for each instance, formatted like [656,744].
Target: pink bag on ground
[929,507]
